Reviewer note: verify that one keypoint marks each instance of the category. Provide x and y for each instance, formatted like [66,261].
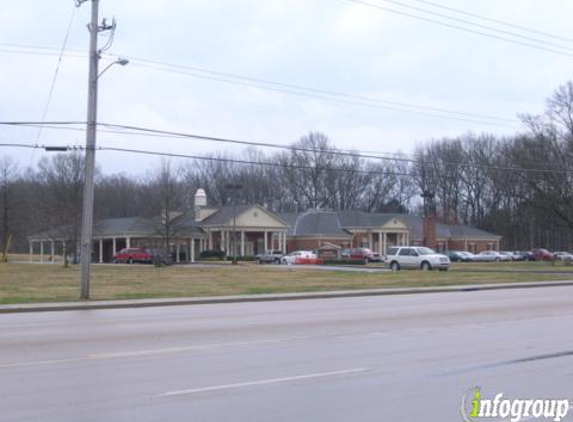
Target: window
[392,251]
[405,252]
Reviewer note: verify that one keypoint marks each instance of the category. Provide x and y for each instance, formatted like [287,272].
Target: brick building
[248,230]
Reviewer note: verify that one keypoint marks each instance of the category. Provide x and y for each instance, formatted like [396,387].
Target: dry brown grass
[20,283]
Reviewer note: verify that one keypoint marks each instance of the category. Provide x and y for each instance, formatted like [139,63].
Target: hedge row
[343,262]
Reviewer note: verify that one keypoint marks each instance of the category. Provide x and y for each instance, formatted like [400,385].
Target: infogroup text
[475,408]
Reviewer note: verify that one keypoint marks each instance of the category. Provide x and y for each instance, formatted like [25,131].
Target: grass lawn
[21,283]
[558,266]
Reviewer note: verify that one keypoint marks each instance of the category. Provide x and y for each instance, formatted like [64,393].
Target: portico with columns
[379,238]
[245,230]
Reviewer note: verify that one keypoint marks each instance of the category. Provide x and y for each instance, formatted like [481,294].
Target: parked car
[492,256]
[363,254]
[542,255]
[469,256]
[459,256]
[293,256]
[416,257]
[271,256]
[131,255]
[160,257]
[563,256]
[520,256]
[510,254]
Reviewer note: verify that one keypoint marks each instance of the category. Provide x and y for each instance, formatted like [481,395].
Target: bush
[212,255]
[241,258]
[343,262]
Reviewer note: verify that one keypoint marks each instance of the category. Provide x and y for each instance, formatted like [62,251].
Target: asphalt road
[391,358]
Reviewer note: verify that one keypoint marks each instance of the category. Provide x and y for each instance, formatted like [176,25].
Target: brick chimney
[429,223]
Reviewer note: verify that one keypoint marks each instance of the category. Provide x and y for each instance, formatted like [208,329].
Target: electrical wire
[477,25]
[497,21]
[485,34]
[225,76]
[356,154]
[260,163]
[322,94]
[56,72]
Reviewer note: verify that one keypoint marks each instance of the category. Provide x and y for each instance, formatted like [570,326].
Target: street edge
[146,303]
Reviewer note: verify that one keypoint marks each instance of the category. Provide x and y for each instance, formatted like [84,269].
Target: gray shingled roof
[332,223]
[315,223]
[123,226]
[224,214]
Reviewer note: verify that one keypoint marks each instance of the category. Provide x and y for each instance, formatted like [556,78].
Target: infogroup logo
[476,408]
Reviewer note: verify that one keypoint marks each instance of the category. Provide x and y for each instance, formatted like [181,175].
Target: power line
[497,21]
[355,154]
[461,28]
[322,94]
[250,162]
[477,25]
[287,87]
[56,72]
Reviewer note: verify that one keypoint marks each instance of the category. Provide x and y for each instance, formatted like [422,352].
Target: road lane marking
[152,352]
[262,382]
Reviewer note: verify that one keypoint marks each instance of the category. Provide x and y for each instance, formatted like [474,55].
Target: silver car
[416,257]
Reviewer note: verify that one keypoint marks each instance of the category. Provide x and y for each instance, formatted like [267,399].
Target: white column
[192,259]
[64,252]
[128,242]
[31,250]
[100,251]
[52,251]
[285,242]
[177,252]
[114,248]
[266,235]
[370,240]
[41,251]
[210,240]
[384,248]
[242,243]
[380,243]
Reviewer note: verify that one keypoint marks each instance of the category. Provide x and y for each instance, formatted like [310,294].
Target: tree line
[519,186]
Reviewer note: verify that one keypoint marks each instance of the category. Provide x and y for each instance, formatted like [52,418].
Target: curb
[147,303]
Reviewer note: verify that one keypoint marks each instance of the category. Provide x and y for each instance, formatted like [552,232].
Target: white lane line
[262,382]
[150,352]
[153,352]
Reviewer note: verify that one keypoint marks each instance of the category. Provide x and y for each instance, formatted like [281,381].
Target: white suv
[416,257]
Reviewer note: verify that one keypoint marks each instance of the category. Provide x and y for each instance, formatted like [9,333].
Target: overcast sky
[329,45]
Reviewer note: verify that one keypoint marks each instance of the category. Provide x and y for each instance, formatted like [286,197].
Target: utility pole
[235,187]
[88,199]
[91,128]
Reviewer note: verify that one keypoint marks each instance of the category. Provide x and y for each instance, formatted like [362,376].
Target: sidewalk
[143,303]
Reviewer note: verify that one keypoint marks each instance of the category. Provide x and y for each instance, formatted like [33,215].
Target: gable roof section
[224,215]
[315,223]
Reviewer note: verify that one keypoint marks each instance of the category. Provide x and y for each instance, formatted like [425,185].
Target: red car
[363,254]
[542,255]
[131,255]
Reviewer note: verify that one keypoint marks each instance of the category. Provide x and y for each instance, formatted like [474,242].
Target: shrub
[210,254]
[343,262]
[241,258]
